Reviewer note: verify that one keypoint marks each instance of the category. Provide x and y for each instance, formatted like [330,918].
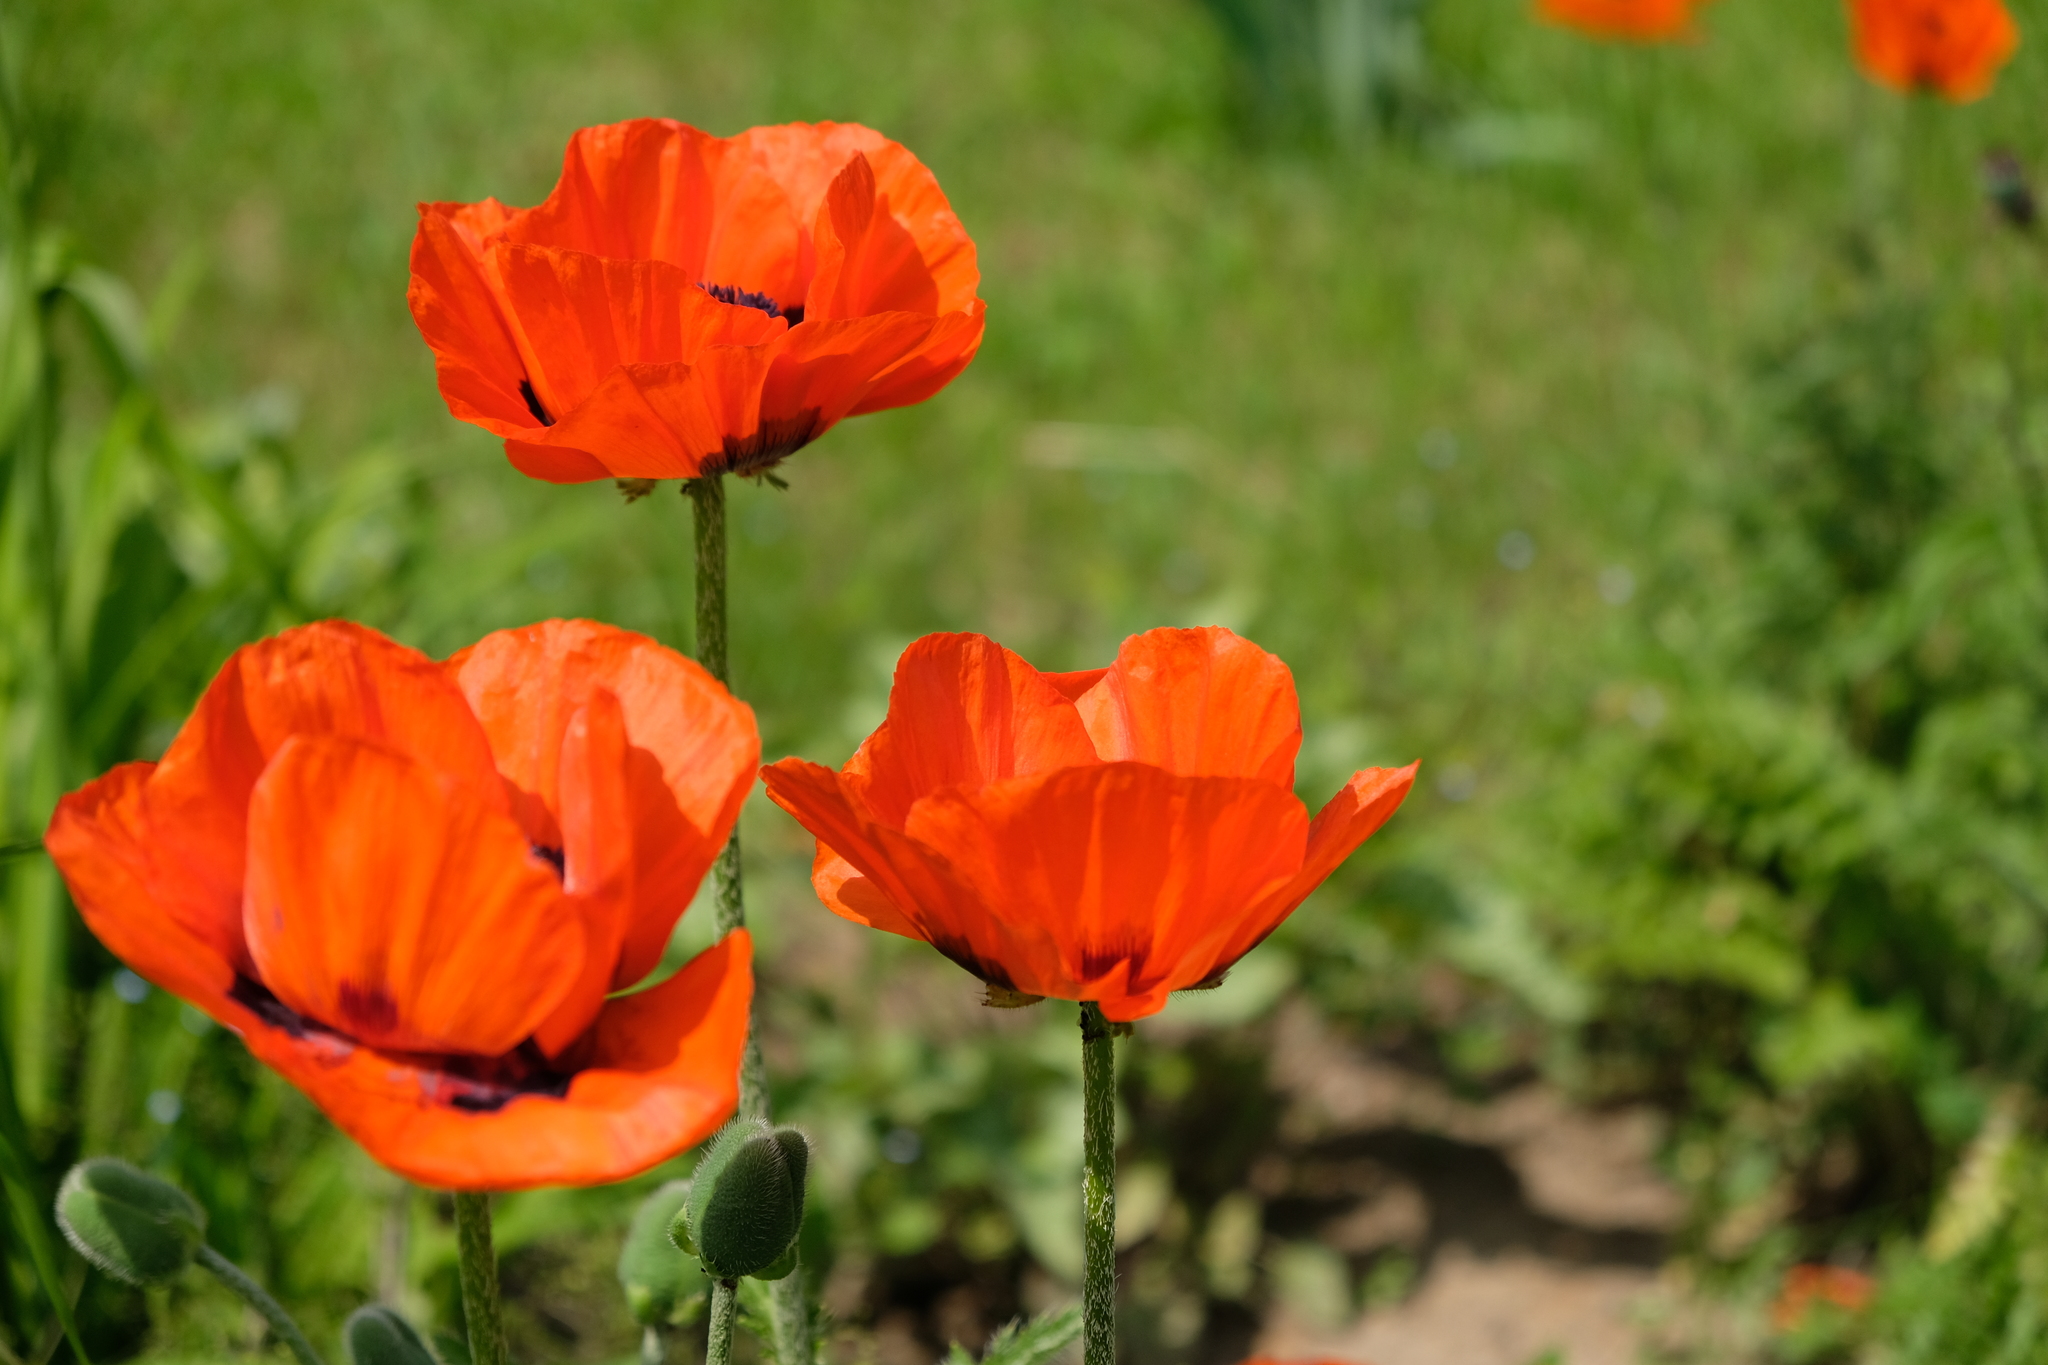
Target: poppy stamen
[747,298]
[533,403]
[551,856]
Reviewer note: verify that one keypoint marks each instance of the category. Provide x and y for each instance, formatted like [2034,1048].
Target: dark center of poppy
[533,403]
[747,298]
[551,856]
[480,1085]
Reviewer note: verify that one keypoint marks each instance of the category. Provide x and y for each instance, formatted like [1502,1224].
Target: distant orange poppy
[684,304]
[412,886]
[1112,835]
[1805,1285]
[1952,47]
[1640,20]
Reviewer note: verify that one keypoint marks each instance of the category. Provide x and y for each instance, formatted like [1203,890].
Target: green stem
[724,1308]
[479,1272]
[253,1294]
[653,1349]
[1098,1187]
[707,503]
[791,1322]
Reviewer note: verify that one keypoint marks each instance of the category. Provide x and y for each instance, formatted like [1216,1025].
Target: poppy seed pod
[746,1201]
[663,1283]
[377,1336]
[135,1227]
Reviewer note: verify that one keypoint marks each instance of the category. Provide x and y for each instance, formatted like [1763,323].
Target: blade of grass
[24,1201]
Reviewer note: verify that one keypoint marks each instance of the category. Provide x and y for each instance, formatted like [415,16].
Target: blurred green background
[1652,441]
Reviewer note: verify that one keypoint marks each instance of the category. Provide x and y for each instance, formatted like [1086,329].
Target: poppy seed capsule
[135,1227]
[663,1282]
[746,1201]
[377,1336]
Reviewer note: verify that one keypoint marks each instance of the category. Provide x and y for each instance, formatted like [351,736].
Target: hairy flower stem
[254,1295]
[724,1308]
[707,504]
[479,1271]
[1098,1187]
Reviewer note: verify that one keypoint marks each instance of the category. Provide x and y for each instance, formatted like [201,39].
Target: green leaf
[1036,1342]
[23,1200]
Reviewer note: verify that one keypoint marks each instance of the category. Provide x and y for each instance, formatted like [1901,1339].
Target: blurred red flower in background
[1112,835]
[684,304]
[1806,1285]
[411,886]
[1952,47]
[1642,20]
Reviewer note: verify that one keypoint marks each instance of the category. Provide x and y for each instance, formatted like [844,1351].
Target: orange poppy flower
[1805,1285]
[1640,20]
[684,304]
[412,886]
[1112,835]
[1953,47]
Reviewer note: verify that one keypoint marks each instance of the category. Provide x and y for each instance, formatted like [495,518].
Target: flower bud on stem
[707,504]
[143,1230]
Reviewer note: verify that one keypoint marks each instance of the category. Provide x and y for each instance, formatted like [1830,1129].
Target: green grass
[1296,386]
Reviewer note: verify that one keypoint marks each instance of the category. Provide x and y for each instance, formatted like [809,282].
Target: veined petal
[582,317]
[390,905]
[944,353]
[1201,702]
[963,711]
[331,677]
[663,1074]
[911,887]
[597,799]
[1349,818]
[691,750]
[138,896]
[867,261]
[455,302]
[1130,867]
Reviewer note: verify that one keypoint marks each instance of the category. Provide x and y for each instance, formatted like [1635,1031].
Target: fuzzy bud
[746,1201]
[378,1336]
[133,1226]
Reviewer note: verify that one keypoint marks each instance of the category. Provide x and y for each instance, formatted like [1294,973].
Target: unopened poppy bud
[662,1280]
[133,1226]
[377,1336]
[746,1201]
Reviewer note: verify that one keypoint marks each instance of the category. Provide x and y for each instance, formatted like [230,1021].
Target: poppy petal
[637,189]
[867,261]
[1349,818]
[1133,869]
[476,355]
[331,677]
[806,158]
[952,344]
[134,892]
[385,903]
[597,848]
[664,1074]
[911,887]
[850,895]
[581,317]
[692,753]
[1201,702]
[963,712]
